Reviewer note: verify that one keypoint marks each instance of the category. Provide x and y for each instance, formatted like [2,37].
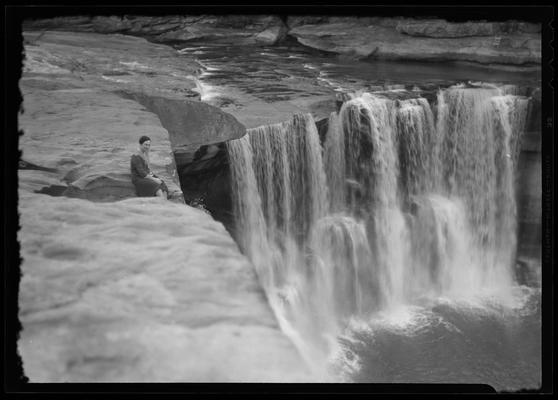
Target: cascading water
[480,129]
[280,193]
[399,205]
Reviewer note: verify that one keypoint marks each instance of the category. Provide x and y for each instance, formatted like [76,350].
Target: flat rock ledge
[141,290]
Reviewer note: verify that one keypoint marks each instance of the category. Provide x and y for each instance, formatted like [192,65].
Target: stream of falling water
[402,202]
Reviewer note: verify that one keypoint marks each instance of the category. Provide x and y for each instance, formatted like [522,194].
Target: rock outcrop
[191,124]
[86,137]
[510,43]
[109,62]
[127,289]
[141,290]
[206,181]
[513,43]
[226,29]
[197,133]
[439,28]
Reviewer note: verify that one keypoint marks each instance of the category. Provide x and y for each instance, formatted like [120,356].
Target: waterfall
[334,160]
[480,129]
[251,229]
[443,253]
[419,148]
[401,202]
[372,165]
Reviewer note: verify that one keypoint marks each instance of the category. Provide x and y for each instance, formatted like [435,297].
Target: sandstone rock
[397,38]
[445,29]
[294,21]
[108,62]
[205,179]
[88,136]
[421,40]
[252,112]
[197,134]
[40,181]
[272,35]
[141,290]
[232,29]
[73,85]
[191,124]
[110,83]
[111,24]
[136,290]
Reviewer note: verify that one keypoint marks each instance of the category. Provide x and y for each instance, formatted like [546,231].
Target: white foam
[207,92]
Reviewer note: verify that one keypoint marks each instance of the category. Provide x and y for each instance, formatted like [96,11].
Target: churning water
[387,250]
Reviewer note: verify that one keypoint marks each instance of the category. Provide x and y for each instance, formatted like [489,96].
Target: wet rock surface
[529,185]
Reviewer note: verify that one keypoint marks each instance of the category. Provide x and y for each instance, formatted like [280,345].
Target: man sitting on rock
[147,184]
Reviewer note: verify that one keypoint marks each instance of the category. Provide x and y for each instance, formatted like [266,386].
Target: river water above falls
[281,72]
[387,246]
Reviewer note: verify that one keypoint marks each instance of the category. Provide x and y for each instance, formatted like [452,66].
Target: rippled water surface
[282,72]
[449,342]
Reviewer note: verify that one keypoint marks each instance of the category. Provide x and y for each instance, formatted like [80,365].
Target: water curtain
[401,202]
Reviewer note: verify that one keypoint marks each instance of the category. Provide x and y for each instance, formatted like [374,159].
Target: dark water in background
[435,342]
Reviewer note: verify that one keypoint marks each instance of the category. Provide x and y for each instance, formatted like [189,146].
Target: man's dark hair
[143,139]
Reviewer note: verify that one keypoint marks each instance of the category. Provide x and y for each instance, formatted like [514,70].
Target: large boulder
[191,124]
